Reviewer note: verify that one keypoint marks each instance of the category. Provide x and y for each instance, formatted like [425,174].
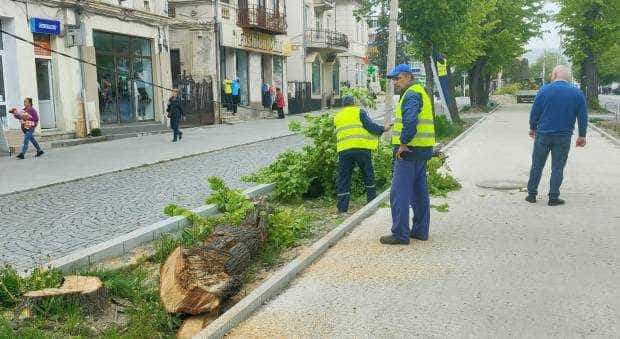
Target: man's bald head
[560,72]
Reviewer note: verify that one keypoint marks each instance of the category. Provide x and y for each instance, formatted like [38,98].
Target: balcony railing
[323,4]
[262,19]
[326,39]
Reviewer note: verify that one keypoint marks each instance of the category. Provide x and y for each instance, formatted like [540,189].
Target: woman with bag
[175,113]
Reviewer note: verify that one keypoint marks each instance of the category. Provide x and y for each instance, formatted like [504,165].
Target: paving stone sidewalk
[495,266]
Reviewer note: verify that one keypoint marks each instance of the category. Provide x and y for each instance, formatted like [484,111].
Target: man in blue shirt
[235,95]
[552,121]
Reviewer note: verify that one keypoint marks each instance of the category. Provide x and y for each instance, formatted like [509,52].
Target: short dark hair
[29,99]
[278,89]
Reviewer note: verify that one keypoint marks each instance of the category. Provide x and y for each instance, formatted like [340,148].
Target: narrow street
[494,266]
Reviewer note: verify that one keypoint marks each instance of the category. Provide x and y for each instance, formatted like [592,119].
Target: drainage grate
[503,185]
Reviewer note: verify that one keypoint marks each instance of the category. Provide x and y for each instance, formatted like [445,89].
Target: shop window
[172,12]
[147,6]
[278,74]
[316,76]
[336,78]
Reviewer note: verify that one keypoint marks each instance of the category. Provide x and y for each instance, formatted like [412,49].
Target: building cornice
[109,10]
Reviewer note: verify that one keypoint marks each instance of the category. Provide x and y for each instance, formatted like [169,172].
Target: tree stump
[194,324]
[196,280]
[87,292]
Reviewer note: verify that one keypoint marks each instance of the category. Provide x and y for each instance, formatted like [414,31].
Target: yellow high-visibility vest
[442,68]
[228,86]
[425,135]
[350,132]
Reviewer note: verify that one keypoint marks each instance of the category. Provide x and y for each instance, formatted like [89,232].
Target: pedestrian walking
[356,136]
[29,119]
[227,94]
[552,120]
[265,95]
[279,103]
[413,139]
[175,113]
[236,87]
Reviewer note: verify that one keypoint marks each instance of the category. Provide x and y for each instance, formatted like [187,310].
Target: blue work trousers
[346,162]
[29,138]
[558,146]
[409,188]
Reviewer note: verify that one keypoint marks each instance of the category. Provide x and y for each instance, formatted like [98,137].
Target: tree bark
[590,81]
[452,106]
[428,69]
[197,280]
[478,85]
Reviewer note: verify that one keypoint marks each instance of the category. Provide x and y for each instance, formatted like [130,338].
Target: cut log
[196,280]
[88,292]
[195,324]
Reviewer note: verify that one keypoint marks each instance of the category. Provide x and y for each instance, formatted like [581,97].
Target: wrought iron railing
[329,39]
[261,18]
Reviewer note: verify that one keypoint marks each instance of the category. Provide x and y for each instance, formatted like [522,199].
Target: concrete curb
[611,138]
[121,245]
[274,285]
[244,308]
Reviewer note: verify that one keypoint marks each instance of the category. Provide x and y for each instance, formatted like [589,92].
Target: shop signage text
[260,41]
[44,26]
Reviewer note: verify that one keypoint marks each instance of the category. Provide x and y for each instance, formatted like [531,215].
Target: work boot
[418,237]
[20,156]
[39,153]
[556,202]
[530,198]
[390,240]
[180,136]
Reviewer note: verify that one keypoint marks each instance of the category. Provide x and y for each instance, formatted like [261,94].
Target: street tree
[506,30]
[590,27]
[547,61]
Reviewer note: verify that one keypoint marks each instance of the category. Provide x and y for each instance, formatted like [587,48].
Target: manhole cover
[502,184]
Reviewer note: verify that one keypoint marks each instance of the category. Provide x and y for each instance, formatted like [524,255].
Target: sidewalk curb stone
[274,285]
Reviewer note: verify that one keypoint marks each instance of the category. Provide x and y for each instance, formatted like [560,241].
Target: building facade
[244,40]
[125,77]
[328,48]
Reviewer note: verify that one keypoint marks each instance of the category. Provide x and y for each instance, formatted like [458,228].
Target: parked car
[526,96]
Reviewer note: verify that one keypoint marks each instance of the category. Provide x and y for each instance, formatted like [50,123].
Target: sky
[550,38]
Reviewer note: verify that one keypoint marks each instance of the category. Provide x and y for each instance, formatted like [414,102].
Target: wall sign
[254,41]
[44,26]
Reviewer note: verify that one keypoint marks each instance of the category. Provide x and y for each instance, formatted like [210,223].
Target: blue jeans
[29,138]
[558,146]
[346,163]
[175,122]
[410,188]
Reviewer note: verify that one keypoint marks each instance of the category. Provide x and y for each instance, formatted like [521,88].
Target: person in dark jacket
[175,113]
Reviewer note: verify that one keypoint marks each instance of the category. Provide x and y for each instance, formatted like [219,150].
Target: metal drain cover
[502,184]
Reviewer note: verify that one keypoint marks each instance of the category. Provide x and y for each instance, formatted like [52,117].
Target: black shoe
[180,135]
[20,156]
[174,140]
[530,198]
[419,238]
[556,202]
[390,240]
[39,153]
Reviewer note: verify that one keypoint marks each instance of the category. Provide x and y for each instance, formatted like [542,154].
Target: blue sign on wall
[44,26]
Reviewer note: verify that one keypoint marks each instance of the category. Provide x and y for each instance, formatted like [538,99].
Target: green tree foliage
[507,27]
[550,60]
[518,71]
[590,27]
[609,65]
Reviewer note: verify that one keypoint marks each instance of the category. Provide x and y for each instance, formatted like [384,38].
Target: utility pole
[391,61]
[464,76]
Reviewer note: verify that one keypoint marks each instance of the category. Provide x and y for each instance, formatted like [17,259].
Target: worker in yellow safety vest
[413,139]
[228,94]
[356,136]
